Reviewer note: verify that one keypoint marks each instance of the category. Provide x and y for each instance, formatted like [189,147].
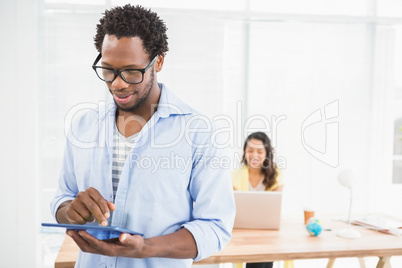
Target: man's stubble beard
[140,100]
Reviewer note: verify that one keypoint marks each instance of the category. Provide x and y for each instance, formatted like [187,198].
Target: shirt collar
[170,104]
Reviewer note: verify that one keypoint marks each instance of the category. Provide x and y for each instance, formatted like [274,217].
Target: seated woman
[258,173]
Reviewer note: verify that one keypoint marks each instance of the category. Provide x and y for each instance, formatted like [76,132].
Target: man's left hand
[125,246]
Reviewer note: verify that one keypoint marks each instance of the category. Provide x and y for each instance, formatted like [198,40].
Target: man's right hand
[88,206]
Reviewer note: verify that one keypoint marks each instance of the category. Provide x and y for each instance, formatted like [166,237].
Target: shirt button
[110,196]
[103,266]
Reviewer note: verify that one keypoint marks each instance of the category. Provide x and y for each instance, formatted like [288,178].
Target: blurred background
[322,78]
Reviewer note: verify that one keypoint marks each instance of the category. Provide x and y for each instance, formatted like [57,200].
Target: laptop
[257,210]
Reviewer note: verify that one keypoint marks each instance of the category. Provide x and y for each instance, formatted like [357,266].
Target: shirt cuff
[56,204]
[205,237]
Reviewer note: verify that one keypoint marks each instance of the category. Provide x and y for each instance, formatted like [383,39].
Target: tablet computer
[100,232]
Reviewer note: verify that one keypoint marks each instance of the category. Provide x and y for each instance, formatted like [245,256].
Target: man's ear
[159,63]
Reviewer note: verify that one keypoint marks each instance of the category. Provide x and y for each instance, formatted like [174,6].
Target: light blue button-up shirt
[176,175]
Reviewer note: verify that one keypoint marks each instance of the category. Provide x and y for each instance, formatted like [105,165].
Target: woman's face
[255,153]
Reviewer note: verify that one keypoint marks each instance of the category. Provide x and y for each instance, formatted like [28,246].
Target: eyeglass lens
[131,76]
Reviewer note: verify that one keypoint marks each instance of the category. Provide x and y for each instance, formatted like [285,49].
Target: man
[151,169]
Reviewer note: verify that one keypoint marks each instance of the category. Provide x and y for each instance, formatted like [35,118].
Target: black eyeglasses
[131,76]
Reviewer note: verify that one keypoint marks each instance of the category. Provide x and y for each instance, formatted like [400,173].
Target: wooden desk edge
[67,255]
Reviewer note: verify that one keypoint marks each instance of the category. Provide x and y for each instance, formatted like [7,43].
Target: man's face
[127,53]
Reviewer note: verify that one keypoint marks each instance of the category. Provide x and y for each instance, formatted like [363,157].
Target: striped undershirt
[121,149]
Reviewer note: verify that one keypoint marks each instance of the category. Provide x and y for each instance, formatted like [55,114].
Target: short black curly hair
[134,21]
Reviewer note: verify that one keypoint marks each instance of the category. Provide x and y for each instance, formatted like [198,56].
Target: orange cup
[308,213]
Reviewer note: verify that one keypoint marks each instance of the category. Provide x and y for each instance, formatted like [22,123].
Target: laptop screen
[258,210]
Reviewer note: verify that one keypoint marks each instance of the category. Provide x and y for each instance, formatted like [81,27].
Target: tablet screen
[100,232]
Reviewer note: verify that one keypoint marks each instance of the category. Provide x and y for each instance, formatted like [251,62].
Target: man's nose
[119,83]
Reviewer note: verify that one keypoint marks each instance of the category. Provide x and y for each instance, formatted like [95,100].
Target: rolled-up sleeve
[214,207]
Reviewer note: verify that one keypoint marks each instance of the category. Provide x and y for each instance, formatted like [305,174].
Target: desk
[291,242]
[67,255]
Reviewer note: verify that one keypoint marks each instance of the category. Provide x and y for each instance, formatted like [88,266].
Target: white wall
[299,68]
[18,53]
